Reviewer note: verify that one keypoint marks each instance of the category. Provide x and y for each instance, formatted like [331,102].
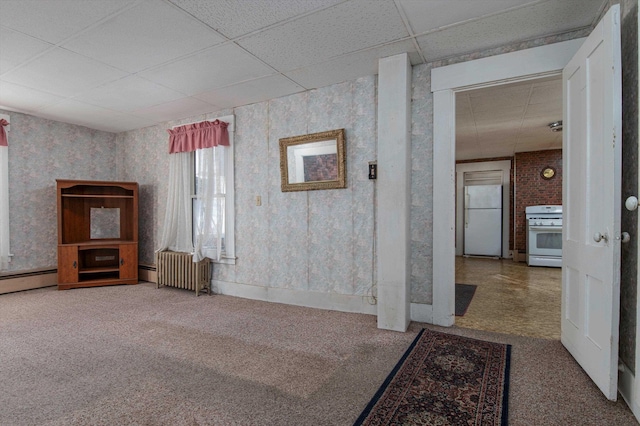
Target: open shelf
[97,233]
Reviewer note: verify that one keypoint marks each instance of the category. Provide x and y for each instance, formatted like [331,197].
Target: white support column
[394,192]
[444,201]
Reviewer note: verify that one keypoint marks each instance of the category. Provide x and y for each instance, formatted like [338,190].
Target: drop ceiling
[502,120]
[118,65]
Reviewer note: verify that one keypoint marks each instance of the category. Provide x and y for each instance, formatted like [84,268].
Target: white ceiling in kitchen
[117,65]
[502,120]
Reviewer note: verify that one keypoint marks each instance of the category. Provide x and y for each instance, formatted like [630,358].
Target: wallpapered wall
[319,240]
[313,240]
[41,151]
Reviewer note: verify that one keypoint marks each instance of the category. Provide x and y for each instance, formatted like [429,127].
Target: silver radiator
[178,270]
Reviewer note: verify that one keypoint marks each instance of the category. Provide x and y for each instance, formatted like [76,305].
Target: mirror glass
[313,161]
[105,223]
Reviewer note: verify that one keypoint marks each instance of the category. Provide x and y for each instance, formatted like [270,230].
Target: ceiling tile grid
[147,35]
[207,70]
[16,48]
[54,21]
[348,27]
[62,73]
[113,65]
[234,18]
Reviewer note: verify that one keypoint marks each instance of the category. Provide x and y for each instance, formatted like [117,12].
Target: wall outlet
[258,200]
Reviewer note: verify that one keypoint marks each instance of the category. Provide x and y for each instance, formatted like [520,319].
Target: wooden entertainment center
[97,233]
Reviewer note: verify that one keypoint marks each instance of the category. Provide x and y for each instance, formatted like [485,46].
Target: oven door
[545,240]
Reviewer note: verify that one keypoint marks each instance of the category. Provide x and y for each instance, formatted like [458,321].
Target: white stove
[544,236]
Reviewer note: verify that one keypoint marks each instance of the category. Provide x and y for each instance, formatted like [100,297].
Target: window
[219,216]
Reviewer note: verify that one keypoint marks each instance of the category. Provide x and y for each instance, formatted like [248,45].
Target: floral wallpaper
[315,240]
[41,151]
[310,240]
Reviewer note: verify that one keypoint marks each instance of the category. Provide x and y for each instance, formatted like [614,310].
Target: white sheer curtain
[204,206]
[176,232]
[210,202]
[4,197]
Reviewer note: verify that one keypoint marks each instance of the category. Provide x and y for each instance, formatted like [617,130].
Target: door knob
[631,203]
[625,237]
[597,237]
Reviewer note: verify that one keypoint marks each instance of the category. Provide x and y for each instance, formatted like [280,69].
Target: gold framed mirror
[315,161]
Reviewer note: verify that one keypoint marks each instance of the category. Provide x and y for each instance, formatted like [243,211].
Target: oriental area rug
[444,379]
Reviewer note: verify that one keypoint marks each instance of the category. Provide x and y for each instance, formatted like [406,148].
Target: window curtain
[210,190]
[4,196]
[176,232]
[209,137]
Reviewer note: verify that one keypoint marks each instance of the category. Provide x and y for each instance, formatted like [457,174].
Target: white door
[591,199]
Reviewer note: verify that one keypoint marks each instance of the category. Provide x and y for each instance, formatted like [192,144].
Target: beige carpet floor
[139,355]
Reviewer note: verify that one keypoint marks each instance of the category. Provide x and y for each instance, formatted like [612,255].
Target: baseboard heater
[176,269]
[27,280]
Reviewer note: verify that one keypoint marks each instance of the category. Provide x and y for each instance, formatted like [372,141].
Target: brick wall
[532,189]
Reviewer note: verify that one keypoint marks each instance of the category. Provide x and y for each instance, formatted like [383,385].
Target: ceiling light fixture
[556,126]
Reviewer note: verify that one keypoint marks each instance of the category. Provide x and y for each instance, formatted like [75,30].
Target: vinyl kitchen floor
[511,297]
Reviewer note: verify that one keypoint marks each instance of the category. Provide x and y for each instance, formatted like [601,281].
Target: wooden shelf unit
[85,257]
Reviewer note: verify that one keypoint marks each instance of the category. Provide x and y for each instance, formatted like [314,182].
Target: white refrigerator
[483,220]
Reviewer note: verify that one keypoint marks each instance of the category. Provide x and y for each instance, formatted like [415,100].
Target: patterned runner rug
[444,379]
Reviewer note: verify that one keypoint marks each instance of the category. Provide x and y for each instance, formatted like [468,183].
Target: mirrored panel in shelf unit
[105,223]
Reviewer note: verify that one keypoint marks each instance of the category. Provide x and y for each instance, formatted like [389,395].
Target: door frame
[445,82]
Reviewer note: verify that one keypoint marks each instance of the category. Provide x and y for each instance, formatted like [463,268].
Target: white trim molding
[309,299]
[445,82]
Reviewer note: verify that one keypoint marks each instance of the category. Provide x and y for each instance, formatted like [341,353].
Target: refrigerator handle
[467,200]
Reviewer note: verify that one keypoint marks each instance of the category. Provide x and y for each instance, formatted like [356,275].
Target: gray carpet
[138,355]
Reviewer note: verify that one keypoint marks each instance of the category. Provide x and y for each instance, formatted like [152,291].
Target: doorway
[503,137]
[446,81]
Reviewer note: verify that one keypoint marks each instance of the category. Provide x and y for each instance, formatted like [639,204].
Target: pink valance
[3,134]
[205,134]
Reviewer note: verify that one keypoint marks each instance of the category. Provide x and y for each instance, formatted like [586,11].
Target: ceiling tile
[16,48]
[62,73]
[251,92]
[541,122]
[536,20]
[24,98]
[216,67]
[234,18]
[54,21]
[425,16]
[500,101]
[128,94]
[546,93]
[500,113]
[350,66]
[347,27]
[146,35]
[548,109]
[75,112]
[509,89]
[175,110]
